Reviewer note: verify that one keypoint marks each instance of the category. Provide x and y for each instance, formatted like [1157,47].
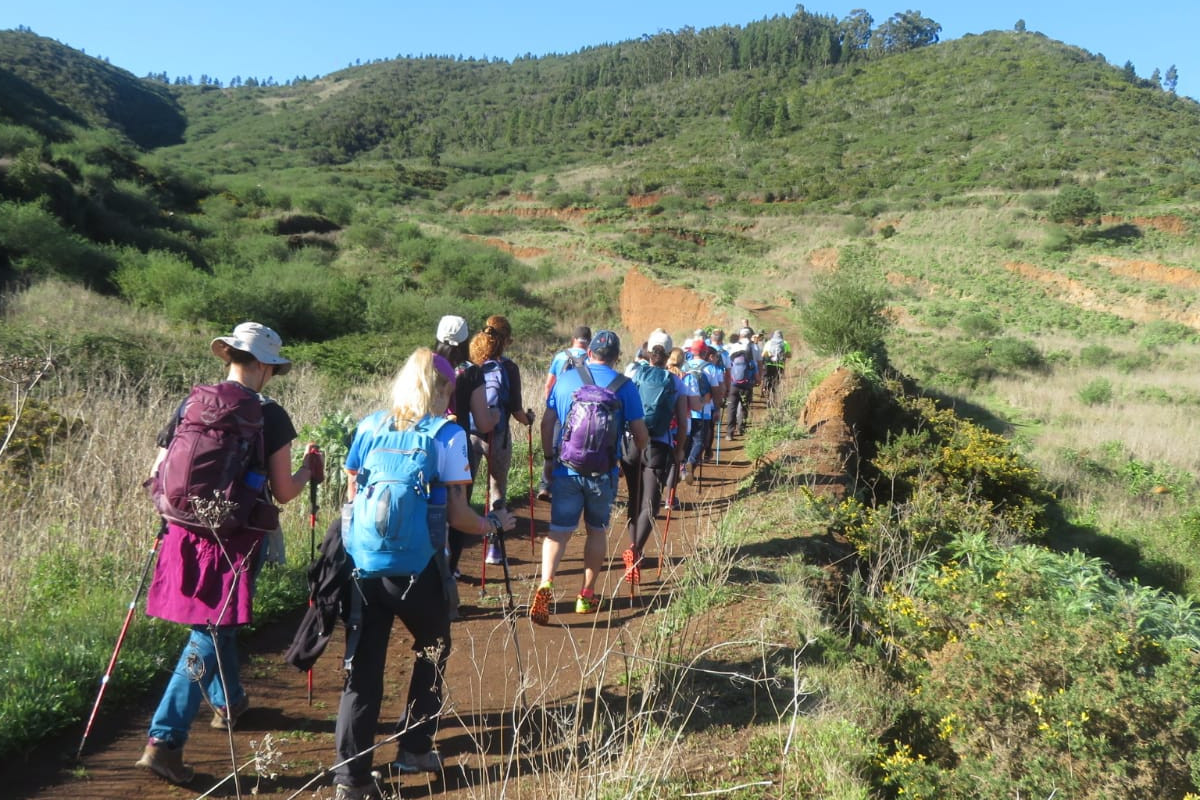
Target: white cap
[452,330]
[659,337]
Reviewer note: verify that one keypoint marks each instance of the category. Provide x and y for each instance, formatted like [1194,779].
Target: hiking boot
[543,492]
[412,763]
[166,762]
[539,609]
[587,602]
[355,793]
[688,475]
[227,717]
[632,573]
[493,555]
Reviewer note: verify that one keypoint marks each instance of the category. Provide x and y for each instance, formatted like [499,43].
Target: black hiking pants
[421,606]
[738,409]
[646,479]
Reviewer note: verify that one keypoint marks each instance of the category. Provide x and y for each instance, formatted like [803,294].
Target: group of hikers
[225,460]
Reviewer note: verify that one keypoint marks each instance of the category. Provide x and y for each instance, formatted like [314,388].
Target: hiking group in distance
[225,459]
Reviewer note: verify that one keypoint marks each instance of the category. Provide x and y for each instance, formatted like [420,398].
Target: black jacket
[329,587]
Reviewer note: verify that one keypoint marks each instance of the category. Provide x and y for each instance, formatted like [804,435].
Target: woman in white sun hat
[206,581]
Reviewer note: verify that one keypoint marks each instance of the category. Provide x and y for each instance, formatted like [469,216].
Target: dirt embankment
[646,304]
[834,415]
[1167,223]
[1074,292]
[514,250]
[1150,271]
[561,214]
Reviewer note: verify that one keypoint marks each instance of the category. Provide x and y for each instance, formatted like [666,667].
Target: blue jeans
[589,495]
[197,674]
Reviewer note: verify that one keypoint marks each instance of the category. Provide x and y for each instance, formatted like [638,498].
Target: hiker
[676,365]
[776,353]
[704,379]
[665,407]
[468,403]
[207,581]
[563,360]
[630,456]
[502,384]
[594,403]
[754,345]
[743,377]
[420,395]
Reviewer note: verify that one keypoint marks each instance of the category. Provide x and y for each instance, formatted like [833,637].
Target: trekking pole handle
[318,475]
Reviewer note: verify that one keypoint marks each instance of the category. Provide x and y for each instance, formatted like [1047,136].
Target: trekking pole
[532,538]
[662,548]
[718,461]
[112,662]
[487,506]
[511,614]
[313,508]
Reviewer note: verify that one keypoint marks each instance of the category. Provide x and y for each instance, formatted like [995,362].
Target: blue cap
[605,346]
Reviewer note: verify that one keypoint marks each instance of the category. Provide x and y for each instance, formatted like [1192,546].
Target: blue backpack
[388,532]
[657,388]
[699,381]
[497,390]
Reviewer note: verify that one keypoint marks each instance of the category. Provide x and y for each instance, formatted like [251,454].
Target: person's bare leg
[553,546]
[594,551]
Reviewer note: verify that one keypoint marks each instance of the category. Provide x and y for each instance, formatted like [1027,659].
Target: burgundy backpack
[217,450]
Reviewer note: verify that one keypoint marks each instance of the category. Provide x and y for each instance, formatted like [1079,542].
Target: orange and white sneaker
[633,574]
[539,609]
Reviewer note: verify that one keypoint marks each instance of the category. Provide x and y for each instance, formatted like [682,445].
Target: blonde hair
[675,361]
[413,391]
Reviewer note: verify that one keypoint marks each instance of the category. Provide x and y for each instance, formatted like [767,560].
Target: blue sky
[284,39]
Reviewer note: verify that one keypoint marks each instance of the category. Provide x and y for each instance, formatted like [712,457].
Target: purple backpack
[591,429]
[217,449]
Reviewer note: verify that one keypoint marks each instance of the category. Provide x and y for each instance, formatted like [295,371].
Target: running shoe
[539,609]
[587,602]
[632,572]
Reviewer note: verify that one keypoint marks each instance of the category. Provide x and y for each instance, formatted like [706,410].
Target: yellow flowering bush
[1035,674]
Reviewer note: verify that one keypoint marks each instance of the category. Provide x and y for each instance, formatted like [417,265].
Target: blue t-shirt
[563,396]
[559,363]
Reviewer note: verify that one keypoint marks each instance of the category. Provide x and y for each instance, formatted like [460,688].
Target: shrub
[1009,353]
[1097,393]
[1074,204]
[1164,333]
[1096,355]
[979,324]
[1056,241]
[1032,673]
[844,316]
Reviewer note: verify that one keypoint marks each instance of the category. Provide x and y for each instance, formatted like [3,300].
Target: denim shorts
[589,495]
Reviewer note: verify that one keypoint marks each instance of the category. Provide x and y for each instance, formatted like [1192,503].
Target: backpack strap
[586,373]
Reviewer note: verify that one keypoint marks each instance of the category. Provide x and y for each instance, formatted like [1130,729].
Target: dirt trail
[559,662]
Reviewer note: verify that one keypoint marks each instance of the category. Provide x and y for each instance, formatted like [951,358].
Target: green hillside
[1003,224]
[46,85]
